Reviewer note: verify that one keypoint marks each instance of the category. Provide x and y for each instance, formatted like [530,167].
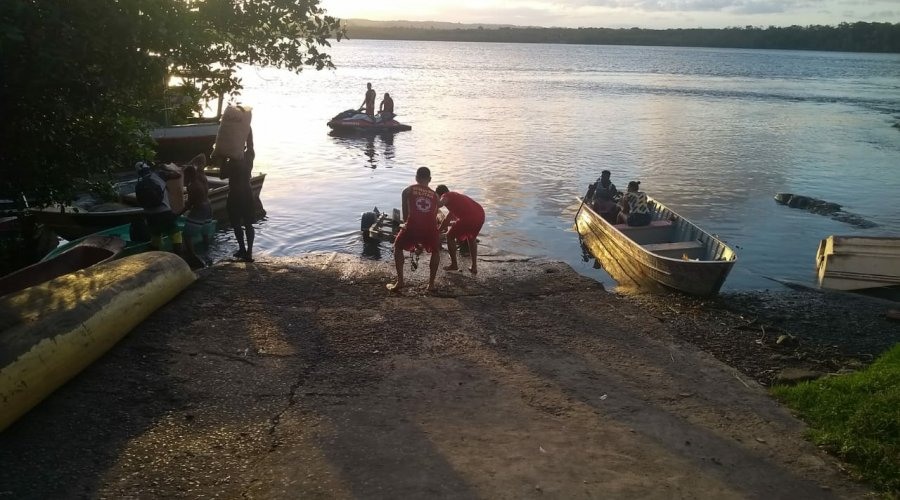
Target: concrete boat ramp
[304,378]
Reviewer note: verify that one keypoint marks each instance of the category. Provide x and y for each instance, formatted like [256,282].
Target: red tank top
[462,207]
[423,207]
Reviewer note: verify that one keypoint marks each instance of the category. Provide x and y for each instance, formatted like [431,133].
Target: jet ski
[354,121]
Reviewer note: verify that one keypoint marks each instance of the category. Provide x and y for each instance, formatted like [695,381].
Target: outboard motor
[366,221]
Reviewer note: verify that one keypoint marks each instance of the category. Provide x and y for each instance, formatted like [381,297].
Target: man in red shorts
[420,207]
[465,220]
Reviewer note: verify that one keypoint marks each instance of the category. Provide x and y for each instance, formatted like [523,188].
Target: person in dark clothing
[158,213]
[604,184]
[241,205]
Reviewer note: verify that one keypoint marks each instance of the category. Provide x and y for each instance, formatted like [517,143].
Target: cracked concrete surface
[304,378]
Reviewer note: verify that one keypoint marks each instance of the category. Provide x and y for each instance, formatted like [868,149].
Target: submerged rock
[822,207]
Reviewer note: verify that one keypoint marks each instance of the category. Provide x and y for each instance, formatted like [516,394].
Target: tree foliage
[80,79]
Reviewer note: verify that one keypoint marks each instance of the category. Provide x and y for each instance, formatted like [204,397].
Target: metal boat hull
[858,263]
[649,257]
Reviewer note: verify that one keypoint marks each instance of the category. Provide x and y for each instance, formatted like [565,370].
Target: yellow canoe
[52,331]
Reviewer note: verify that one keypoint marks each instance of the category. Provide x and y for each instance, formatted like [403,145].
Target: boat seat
[653,224]
[693,249]
[658,231]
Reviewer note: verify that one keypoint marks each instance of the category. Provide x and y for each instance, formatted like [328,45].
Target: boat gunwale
[620,235]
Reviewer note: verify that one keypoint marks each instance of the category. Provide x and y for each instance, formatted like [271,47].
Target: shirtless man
[420,206]
[369,101]
[464,220]
[386,110]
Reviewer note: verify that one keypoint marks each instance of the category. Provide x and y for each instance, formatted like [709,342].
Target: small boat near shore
[380,226]
[218,193]
[669,253]
[353,122]
[88,251]
[133,243]
[180,143]
[73,221]
[858,262]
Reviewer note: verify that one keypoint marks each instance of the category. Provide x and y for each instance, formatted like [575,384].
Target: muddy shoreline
[781,335]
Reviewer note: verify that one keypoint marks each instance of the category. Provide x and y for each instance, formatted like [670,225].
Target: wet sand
[304,377]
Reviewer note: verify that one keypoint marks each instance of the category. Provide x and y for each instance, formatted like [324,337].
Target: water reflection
[601,259]
[712,133]
[369,144]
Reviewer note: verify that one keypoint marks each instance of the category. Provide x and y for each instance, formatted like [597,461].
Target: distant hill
[855,37]
[432,25]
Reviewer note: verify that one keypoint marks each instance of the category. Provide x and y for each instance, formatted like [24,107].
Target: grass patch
[856,417]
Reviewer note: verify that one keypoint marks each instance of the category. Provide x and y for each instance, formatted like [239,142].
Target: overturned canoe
[52,331]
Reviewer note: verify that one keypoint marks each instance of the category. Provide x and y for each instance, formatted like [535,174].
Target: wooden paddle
[590,191]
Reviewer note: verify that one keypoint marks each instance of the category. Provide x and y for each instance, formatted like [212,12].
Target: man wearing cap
[420,206]
[158,211]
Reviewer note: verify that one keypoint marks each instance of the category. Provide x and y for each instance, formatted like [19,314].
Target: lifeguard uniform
[469,216]
[421,226]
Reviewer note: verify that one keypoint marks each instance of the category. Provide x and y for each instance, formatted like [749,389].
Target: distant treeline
[850,37]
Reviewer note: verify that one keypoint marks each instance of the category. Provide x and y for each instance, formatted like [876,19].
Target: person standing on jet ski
[369,101]
[386,110]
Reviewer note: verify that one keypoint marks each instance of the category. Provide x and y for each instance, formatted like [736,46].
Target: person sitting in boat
[604,184]
[152,195]
[369,101]
[198,208]
[386,109]
[635,207]
[606,206]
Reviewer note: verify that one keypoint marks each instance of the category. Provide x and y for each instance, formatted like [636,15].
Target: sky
[656,14]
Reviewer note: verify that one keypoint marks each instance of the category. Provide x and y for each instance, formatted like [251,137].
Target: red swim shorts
[409,238]
[465,229]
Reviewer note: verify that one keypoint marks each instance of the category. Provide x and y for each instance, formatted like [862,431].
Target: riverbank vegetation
[857,417]
[83,79]
[849,37]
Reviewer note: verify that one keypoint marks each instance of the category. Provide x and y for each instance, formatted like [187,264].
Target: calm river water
[712,133]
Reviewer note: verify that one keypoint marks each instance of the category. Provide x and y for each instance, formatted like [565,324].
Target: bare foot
[394,287]
[451,267]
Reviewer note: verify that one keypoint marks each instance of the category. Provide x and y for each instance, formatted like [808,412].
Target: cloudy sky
[622,13]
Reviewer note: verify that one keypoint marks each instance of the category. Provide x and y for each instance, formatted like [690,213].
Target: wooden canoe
[858,263]
[91,250]
[670,253]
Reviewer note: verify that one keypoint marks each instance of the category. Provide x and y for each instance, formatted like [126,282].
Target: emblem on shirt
[423,204]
